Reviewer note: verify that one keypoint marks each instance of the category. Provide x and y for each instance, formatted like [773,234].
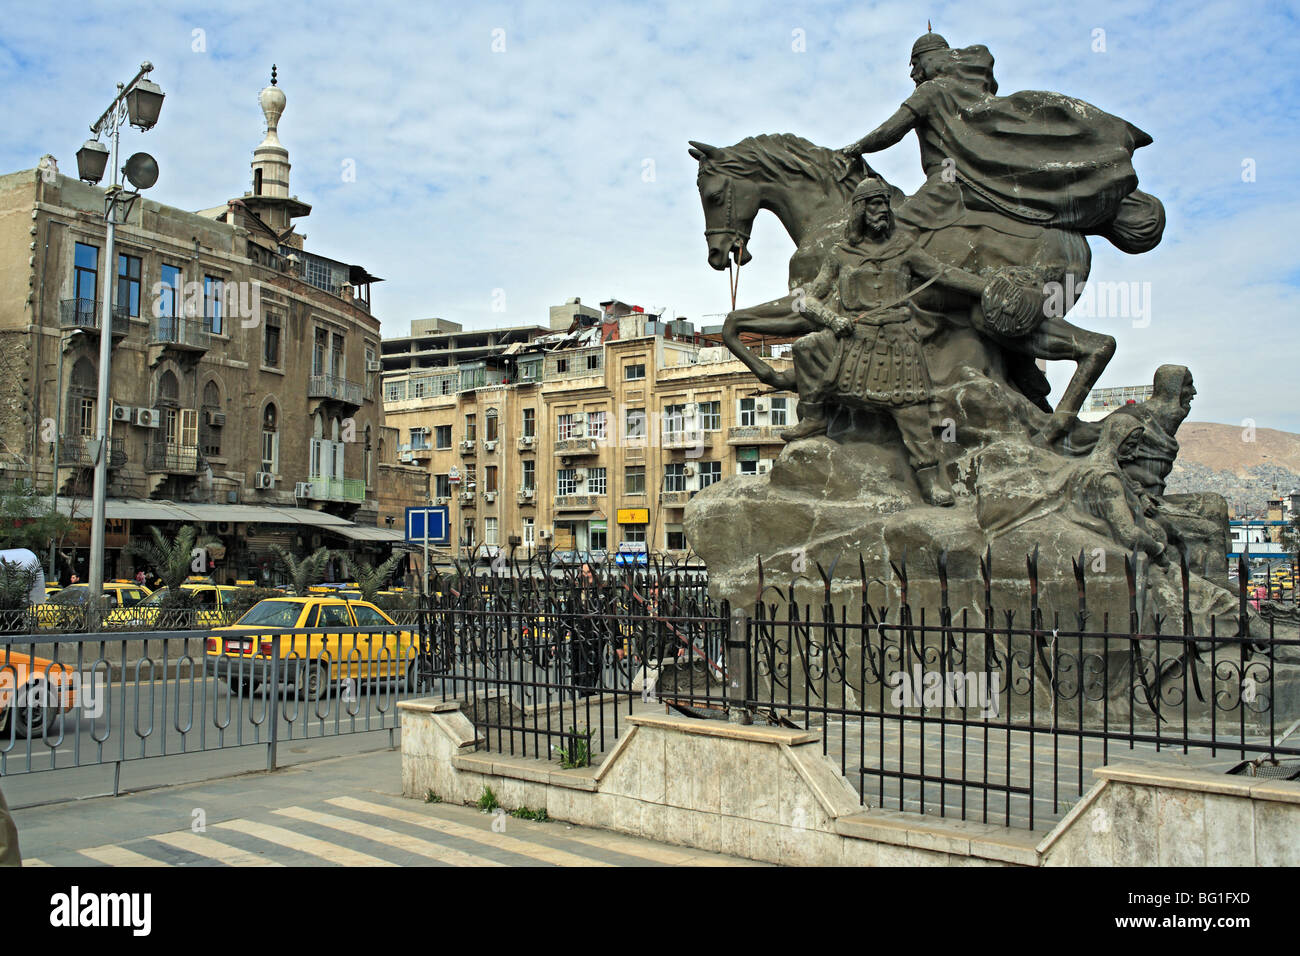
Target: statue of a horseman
[1014,184]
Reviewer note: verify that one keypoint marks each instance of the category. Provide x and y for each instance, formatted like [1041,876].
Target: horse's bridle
[741,235]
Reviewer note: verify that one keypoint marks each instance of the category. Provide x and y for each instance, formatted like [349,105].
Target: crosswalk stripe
[329,852]
[120,856]
[533,851]
[213,849]
[389,837]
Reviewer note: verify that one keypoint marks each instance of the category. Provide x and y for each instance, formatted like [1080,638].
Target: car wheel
[31,721]
[314,680]
[412,671]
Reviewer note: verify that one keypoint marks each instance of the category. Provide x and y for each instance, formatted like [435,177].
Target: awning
[138,510]
[361,532]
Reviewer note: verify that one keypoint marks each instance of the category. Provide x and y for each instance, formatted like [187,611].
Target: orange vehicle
[33,691]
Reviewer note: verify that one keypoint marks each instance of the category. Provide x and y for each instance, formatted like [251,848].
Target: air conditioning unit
[527,441]
[580,475]
[760,406]
[489,446]
[263,479]
[423,430]
[147,417]
[688,470]
[122,413]
[527,493]
[216,419]
[579,431]
[467,445]
[374,365]
[467,497]
[490,496]
[302,489]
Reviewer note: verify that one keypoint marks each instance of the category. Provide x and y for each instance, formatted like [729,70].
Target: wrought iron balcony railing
[85,314]
[180,333]
[173,458]
[73,450]
[335,389]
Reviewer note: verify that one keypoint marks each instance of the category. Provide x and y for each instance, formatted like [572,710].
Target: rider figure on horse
[1039,157]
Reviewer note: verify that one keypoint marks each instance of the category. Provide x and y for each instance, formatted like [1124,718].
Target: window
[747,417]
[779,411]
[418,439]
[490,531]
[711,416]
[395,392]
[596,425]
[565,426]
[529,480]
[368,616]
[565,482]
[491,424]
[593,361]
[271,341]
[676,538]
[530,532]
[468,537]
[634,534]
[635,423]
[710,471]
[442,437]
[490,478]
[674,419]
[211,408]
[441,486]
[169,289]
[86,276]
[596,481]
[634,480]
[633,373]
[471,427]
[597,536]
[270,440]
[86,424]
[319,348]
[675,477]
[212,304]
[562,366]
[128,284]
[530,423]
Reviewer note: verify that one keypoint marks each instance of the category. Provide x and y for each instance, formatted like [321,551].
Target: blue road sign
[435,519]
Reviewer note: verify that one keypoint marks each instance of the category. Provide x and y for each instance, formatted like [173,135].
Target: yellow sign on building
[633,515]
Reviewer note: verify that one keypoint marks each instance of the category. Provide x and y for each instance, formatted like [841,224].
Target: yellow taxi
[210,602]
[33,690]
[313,662]
[66,606]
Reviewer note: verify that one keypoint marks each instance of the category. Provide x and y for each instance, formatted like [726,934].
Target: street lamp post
[139,102]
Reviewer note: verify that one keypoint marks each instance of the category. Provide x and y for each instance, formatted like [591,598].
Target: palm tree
[371,578]
[171,559]
[303,574]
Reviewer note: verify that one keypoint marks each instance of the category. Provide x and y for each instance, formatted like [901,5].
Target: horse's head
[730,205]
[792,177]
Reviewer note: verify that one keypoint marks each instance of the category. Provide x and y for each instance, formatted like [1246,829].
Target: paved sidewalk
[346,811]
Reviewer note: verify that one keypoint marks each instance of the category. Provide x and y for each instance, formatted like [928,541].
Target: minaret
[270,200]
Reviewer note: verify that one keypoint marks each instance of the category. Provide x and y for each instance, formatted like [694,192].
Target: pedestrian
[139,577]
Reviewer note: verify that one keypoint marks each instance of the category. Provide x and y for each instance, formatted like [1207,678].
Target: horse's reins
[742,236]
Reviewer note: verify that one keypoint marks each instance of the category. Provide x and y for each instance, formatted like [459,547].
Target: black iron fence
[990,713]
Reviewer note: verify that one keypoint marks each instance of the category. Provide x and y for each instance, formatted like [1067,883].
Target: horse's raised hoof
[807,428]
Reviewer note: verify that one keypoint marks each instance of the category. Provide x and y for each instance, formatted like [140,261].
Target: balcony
[577,502]
[421,452]
[322,488]
[182,335]
[675,499]
[755,435]
[85,314]
[73,451]
[688,438]
[333,389]
[172,458]
[575,447]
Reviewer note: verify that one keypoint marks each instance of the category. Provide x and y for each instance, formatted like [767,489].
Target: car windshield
[155,599]
[272,613]
[72,594]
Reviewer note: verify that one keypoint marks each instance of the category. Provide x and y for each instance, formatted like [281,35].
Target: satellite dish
[141,170]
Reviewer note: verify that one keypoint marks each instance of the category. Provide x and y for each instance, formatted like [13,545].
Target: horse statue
[808,187]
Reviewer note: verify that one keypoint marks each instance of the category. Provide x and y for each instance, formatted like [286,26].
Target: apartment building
[245,381]
[590,439]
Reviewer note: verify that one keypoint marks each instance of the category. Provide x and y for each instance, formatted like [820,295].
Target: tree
[306,572]
[371,579]
[26,520]
[170,559]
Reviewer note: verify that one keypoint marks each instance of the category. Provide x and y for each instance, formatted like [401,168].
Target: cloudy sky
[539,148]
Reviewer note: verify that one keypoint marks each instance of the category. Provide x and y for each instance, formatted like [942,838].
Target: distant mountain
[1246,468]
